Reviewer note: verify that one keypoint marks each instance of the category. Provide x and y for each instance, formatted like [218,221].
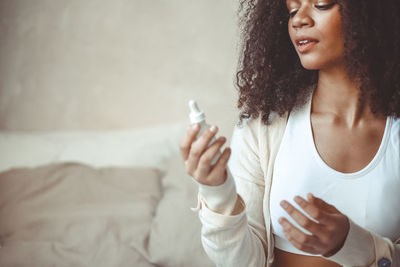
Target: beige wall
[107,64]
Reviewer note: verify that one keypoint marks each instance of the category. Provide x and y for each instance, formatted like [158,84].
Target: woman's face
[316,32]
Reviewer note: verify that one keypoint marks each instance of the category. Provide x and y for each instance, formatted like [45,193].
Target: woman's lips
[304,48]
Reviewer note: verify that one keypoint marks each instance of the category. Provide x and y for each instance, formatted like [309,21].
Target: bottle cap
[196,115]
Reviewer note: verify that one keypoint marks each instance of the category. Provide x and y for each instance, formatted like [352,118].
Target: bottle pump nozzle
[196,115]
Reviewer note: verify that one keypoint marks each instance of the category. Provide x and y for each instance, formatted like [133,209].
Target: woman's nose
[302,18]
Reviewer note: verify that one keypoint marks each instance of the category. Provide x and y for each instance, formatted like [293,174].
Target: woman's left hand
[328,233]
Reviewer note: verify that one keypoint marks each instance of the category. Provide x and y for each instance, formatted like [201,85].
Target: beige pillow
[71,214]
[144,147]
[175,234]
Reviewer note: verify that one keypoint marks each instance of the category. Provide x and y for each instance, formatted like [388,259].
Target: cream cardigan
[246,239]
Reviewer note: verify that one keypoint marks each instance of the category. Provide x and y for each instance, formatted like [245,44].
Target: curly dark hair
[270,76]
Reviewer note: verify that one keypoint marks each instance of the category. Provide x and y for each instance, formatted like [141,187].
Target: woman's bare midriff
[287,259]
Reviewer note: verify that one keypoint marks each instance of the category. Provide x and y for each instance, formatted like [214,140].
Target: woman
[314,173]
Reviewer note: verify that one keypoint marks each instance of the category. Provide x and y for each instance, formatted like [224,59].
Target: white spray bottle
[198,116]
[220,198]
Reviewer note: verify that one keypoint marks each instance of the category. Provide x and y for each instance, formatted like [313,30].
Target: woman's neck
[337,97]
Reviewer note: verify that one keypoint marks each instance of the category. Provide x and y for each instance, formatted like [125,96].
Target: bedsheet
[73,214]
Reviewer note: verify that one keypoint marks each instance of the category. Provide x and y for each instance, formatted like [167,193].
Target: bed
[108,198]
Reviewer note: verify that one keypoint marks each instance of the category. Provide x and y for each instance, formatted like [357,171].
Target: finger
[298,238]
[204,166]
[314,211]
[322,204]
[219,168]
[190,137]
[302,247]
[198,147]
[301,219]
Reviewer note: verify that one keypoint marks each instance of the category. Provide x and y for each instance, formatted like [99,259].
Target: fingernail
[298,200]
[213,128]
[284,204]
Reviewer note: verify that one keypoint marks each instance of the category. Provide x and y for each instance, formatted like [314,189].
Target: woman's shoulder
[256,130]
[274,120]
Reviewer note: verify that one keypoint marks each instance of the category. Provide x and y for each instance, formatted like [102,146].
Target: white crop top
[370,197]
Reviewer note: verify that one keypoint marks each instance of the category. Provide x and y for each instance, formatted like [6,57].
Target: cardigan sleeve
[365,248]
[239,240]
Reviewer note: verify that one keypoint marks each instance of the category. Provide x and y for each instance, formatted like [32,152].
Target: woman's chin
[314,62]
[310,64]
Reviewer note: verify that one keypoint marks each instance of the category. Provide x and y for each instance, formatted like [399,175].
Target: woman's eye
[292,13]
[325,7]
[320,7]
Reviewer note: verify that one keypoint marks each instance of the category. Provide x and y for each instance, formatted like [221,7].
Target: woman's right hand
[197,156]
